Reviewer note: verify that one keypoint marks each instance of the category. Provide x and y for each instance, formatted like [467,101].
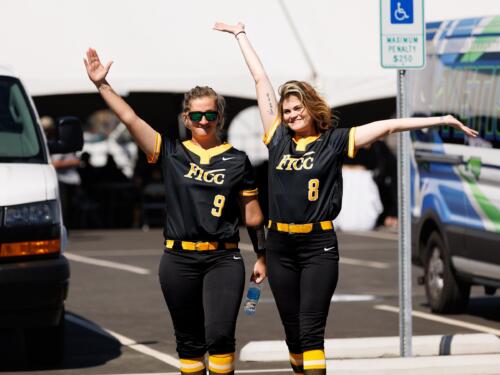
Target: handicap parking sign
[402,34]
[401,11]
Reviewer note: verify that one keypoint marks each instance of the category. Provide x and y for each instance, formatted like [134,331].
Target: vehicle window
[472,95]
[19,139]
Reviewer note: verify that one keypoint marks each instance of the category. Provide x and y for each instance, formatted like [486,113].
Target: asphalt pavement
[117,321]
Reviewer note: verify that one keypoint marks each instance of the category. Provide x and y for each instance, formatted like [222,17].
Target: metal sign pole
[404,214]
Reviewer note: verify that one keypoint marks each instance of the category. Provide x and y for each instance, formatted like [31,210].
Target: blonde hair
[323,118]
[201,92]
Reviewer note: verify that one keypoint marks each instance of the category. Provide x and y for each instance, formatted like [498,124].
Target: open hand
[233,29]
[452,121]
[96,71]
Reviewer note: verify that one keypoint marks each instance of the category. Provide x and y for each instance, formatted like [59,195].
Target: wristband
[238,33]
[258,237]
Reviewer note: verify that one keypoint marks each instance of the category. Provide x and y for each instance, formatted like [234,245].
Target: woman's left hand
[259,270]
[452,121]
[233,29]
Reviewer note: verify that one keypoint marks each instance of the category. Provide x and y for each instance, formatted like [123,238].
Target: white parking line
[363,263]
[107,263]
[125,341]
[168,359]
[337,298]
[122,252]
[343,260]
[440,319]
[374,234]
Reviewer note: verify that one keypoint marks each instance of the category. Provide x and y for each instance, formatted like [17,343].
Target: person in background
[66,166]
[207,182]
[306,153]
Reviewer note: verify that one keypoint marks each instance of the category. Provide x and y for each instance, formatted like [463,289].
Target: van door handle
[426,157]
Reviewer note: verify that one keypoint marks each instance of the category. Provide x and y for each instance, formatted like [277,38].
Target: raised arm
[144,135]
[266,98]
[369,133]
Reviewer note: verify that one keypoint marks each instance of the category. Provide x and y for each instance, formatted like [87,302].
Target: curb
[380,347]
[488,364]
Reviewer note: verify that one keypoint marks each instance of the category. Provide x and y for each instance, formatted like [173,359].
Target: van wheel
[45,345]
[446,295]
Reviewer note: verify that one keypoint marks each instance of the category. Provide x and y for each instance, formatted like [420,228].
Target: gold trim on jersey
[300,228]
[303,142]
[152,159]
[351,149]
[249,193]
[201,246]
[206,155]
[267,137]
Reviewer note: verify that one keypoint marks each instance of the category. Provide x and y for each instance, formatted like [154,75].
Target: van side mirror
[69,136]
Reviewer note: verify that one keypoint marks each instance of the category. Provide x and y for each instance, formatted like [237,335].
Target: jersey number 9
[219,201]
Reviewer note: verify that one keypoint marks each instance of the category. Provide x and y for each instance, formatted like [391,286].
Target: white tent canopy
[168,46]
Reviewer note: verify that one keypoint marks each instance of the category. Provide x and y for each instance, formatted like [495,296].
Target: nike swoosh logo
[224,159]
[329,248]
[235,257]
[309,153]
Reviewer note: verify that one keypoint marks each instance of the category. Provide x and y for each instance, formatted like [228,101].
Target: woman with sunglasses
[305,195]
[207,182]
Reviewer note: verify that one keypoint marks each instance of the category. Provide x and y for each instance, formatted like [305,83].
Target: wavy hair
[323,118]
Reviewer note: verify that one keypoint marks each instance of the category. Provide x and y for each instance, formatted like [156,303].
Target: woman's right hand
[233,29]
[95,70]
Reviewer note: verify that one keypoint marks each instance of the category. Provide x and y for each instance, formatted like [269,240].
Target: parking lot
[117,321]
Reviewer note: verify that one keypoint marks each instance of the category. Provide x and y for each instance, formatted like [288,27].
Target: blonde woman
[305,195]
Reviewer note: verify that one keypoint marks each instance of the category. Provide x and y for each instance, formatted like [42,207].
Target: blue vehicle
[455,187]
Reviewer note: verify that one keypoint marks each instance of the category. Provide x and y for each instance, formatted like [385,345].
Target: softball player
[207,183]
[305,195]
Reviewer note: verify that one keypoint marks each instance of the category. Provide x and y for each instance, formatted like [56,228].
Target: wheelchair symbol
[401,11]
[400,14]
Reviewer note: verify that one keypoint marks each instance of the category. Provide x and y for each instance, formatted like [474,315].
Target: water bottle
[253,295]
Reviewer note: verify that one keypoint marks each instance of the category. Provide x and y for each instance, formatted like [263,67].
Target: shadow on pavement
[83,348]
[487,307]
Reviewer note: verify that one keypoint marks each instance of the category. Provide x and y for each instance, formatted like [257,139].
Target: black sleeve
[275,134]
[342,141]
[248,186]
[168,145]
[163,146]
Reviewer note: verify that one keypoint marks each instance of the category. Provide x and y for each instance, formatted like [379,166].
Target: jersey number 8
[313,192]
[219,201]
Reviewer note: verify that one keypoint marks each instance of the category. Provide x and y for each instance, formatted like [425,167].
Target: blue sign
[401,11]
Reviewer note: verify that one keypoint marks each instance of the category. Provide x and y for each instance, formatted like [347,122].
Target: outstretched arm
[369,133]
[266,98]
[144,135]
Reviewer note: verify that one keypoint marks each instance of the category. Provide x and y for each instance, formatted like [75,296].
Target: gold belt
[199,246]
[321,226]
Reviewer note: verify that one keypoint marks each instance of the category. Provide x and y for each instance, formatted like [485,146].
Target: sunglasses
[197,116]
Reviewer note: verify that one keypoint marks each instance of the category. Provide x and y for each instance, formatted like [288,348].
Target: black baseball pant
[203,292]
[303,273]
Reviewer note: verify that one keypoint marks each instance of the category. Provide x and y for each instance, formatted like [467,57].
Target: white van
[34,275]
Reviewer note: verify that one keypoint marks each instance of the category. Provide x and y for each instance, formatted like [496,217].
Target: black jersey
[203,189]
[305,177]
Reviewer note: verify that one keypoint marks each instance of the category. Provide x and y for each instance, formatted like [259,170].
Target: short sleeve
[153,158]
[275,133]
[163,146]
[248,187]
[342,141]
